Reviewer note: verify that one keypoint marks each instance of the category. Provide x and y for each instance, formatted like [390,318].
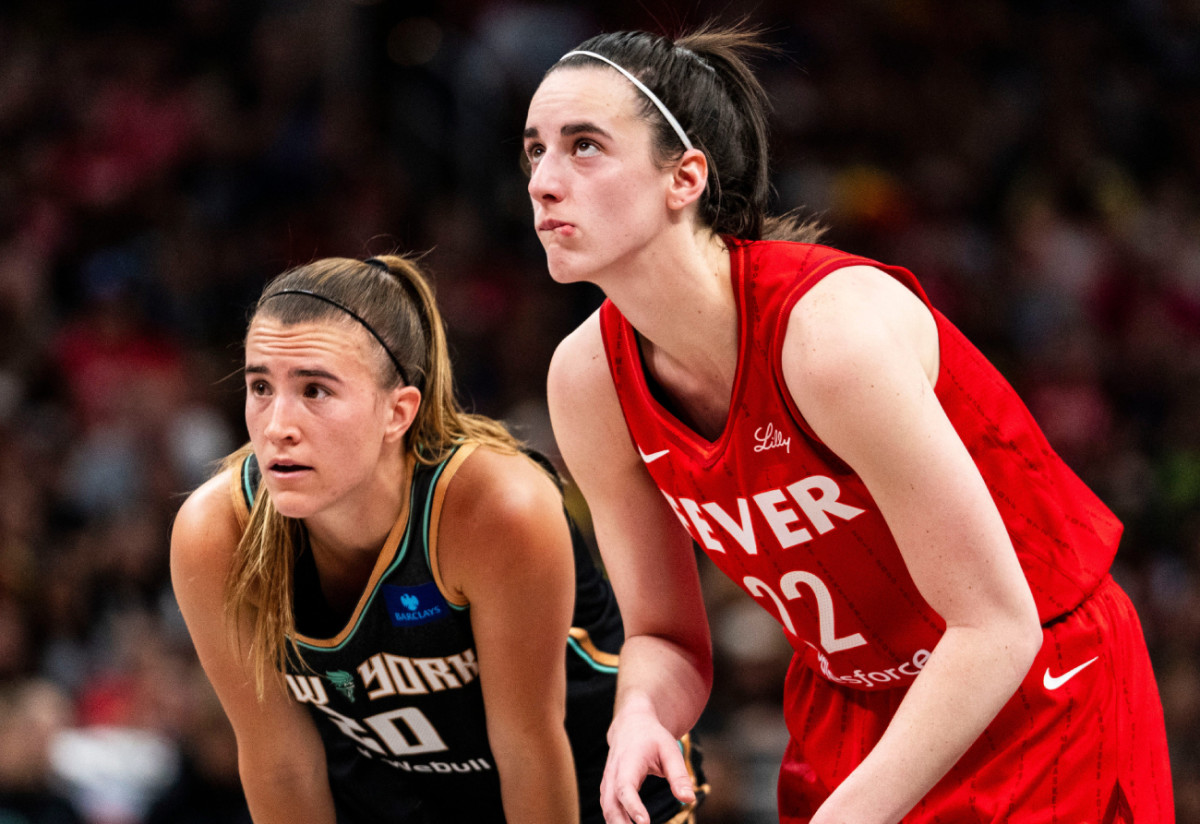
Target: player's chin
[291,504]
[561,273]
[565,267]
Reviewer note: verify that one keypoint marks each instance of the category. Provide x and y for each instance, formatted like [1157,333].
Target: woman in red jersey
[839,450]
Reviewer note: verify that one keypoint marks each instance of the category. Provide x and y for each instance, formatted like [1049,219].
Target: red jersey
[788,521]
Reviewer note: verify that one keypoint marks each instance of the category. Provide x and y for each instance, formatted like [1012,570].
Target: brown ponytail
[705,80]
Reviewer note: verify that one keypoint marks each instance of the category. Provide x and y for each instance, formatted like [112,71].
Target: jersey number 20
[404,732]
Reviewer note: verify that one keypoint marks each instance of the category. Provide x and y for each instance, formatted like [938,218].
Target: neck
[356,529]
[680,300]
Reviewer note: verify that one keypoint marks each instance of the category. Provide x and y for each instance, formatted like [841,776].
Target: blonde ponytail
[391,298]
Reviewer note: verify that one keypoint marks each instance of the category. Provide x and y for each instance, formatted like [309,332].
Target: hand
[640,746]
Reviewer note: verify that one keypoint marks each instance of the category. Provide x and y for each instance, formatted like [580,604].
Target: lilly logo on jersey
[413,606]
[768,437]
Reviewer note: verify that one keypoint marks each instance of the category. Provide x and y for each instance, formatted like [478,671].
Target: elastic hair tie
[353,314]
[653,98]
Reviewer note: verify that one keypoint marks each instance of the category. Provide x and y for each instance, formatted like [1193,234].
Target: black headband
[353,314]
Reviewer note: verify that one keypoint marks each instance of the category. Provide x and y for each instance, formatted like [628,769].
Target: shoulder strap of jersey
[244,481]
[428,501]
[428,497]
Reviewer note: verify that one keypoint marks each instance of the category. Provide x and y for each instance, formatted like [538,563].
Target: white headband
[683,138]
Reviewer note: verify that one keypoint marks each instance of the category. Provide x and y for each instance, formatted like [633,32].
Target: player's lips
[559,226]
[287,467]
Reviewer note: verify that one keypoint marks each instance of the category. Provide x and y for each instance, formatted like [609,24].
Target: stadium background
[1035,162]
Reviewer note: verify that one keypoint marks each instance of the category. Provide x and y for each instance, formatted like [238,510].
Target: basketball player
[385,591]
[843,454]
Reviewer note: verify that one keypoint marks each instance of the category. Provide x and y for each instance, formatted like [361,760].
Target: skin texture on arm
[666,662]
[280,755]
[505,546]
[860,360]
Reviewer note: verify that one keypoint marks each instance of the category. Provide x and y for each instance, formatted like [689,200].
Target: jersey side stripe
[596,658]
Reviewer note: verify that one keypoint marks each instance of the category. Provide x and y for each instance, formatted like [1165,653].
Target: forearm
[949,705]
[285,794]
[664,678]
[537,778]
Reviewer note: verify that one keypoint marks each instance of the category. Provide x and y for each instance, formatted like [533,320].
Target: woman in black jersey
[385,590]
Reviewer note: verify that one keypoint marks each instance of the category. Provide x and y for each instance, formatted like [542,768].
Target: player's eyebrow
[571,129]
[585,126]
[260,369]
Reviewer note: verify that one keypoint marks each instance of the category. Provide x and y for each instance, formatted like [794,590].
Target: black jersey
[395,690]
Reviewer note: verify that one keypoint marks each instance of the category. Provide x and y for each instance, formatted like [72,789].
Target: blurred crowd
[1035,162]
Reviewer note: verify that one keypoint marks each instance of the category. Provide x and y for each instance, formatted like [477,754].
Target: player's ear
[402,411]
[688,180]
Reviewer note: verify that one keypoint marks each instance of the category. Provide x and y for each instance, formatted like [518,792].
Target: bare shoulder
[585,411]
[496,486]
[203,542]
[502,520]
[579,364]
[854,302]
[856,319]
[206,529]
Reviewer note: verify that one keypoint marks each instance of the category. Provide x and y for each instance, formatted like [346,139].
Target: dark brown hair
[704,79]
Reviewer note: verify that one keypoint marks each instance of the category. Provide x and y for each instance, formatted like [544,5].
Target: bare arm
[860,358]
[280,755]
[505,546]
[666,663]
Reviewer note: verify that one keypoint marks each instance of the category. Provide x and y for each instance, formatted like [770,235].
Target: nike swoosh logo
[1051,682]
[653,456]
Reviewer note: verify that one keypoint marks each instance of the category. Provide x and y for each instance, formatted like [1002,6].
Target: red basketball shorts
[1081,742]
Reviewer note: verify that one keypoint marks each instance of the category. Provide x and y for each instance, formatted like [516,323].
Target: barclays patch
[413,606]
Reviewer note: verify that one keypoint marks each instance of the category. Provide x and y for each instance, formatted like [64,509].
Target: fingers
[619,800]
[629,808]
[628,768]
[677,775]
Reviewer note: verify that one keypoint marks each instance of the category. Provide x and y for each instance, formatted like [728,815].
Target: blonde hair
[391,297]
